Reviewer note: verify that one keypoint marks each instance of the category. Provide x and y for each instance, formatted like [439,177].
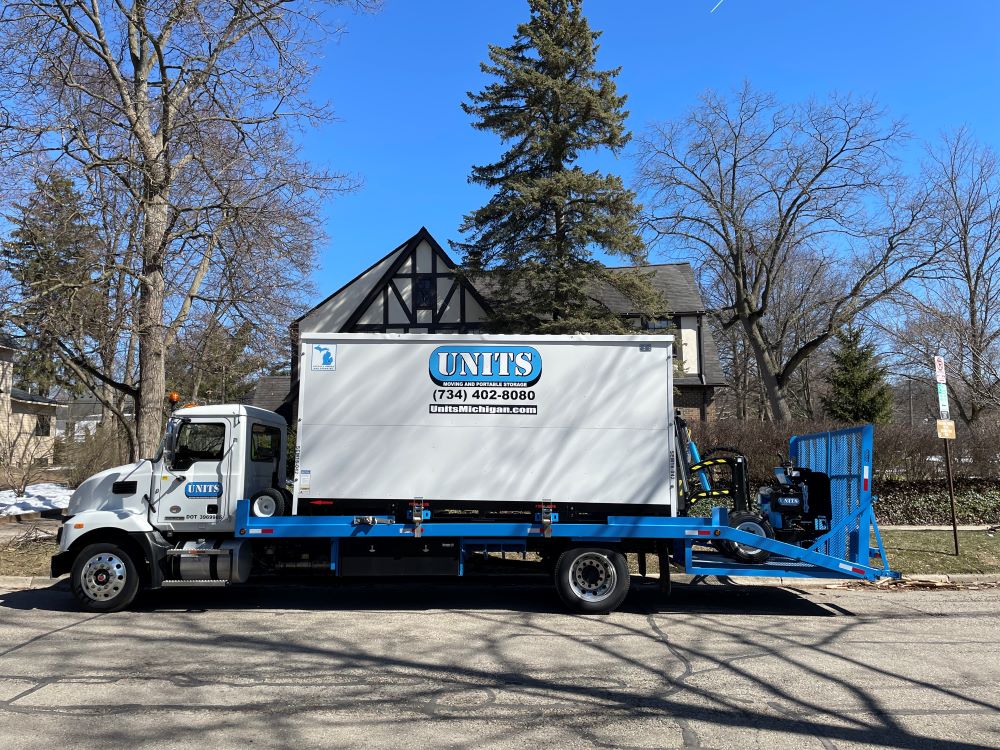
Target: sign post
[946,431]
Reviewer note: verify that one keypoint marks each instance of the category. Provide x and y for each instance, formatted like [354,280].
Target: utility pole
[946,431]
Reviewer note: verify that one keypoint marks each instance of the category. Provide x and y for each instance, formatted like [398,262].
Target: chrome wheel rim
[751,527]
[264,506]
[593,577]
[103,577]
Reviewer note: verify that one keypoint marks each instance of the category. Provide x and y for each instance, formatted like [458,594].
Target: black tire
[267,504]
[104,578]
[753,523]
[592,580]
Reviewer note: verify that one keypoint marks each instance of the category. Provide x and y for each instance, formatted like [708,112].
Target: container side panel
[505,420]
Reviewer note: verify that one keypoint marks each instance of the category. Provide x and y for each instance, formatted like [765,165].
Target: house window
[43,425]
[425,293]
[661,324]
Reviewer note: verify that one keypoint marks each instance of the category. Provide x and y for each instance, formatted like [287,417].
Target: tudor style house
[415,289]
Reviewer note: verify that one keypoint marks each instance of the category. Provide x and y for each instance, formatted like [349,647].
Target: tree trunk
[777,400]
[152,331]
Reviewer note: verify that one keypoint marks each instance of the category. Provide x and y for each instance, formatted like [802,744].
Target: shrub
[977,501]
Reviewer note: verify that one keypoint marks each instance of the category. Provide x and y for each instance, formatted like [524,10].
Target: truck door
[193,486]
[263,459]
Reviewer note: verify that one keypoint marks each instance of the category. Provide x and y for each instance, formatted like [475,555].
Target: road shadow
[530,594]
[665,679]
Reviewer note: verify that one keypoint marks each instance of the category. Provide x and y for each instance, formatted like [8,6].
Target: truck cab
[213,456]
[210,457]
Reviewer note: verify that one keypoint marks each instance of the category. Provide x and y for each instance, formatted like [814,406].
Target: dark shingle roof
[271,391]
[675,281]
[21,395]
[6,342]
[713,365]
[82,409]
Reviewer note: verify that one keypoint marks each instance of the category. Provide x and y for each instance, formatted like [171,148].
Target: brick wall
[696,404]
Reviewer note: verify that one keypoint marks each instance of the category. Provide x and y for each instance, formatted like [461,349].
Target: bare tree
[955,310]
[182,112]
[762,193]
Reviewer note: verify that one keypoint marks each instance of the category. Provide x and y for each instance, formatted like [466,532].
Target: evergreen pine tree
[50,256]
[858,389]
[535,237]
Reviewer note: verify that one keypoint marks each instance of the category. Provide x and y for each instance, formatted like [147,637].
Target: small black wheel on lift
[268,503]
[752,523]
[592,580]
[104,578]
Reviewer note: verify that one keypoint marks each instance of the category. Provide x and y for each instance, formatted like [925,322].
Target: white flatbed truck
[422,455]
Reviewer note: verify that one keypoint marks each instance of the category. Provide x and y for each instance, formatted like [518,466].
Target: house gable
[414,289]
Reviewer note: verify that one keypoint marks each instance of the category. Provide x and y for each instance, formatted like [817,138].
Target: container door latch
[545,517]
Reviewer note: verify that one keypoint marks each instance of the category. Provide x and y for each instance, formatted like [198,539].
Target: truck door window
[199,441]
[264,442]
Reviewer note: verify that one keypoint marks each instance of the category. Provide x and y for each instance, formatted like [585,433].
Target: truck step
[178,552]
[194,582]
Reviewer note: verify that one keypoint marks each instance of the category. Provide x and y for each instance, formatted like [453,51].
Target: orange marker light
[77,525]
[174,397]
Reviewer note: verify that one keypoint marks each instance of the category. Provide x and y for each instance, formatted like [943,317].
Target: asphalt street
[499,664]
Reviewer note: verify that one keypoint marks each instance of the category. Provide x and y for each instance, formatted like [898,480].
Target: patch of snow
[37,497]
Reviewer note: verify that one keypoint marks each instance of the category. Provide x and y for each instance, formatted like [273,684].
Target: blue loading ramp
[844,551]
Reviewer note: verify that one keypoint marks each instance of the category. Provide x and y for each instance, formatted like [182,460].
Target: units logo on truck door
[203,489]
[485,379]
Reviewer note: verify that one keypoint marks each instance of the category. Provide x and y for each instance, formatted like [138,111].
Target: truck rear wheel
[592,580]
[104,578]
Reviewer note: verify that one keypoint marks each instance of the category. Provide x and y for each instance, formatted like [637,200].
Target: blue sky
[396,80]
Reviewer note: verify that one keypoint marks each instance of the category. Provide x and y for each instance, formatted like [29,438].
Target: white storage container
[505,419]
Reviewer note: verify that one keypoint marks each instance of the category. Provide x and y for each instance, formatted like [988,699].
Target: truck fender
[129,530]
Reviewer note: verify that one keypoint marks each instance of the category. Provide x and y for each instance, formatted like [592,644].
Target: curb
[955,578]
[29,582]
[14,583]
[51,513]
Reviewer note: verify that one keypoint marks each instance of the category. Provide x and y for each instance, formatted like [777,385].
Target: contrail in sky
[717,6]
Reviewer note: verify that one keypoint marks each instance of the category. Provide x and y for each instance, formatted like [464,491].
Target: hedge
[977,501]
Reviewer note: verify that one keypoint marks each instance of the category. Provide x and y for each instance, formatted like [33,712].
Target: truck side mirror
[170,445]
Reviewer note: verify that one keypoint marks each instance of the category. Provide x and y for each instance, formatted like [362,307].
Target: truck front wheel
[592,580]
[104,578]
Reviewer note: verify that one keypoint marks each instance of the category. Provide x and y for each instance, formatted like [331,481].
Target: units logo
[490,366]
[203,489]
